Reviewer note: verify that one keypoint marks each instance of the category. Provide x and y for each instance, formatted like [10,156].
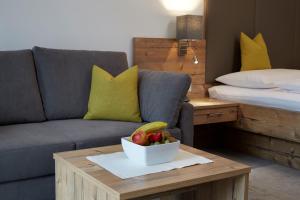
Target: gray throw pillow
[161,95]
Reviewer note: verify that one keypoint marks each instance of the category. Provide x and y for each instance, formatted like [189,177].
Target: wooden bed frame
[269,133]
[270,122]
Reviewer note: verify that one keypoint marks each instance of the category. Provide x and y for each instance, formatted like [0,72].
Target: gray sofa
[44,95]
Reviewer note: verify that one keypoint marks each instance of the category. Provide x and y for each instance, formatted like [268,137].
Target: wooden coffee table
[79,179]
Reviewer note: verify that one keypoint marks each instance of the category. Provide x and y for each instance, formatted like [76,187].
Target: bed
[270,130]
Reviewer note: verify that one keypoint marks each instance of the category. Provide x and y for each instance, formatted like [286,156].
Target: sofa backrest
[64,78]
[20,100]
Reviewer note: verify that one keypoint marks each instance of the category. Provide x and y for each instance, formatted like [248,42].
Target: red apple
[155,137]
[140,137]
[149,136]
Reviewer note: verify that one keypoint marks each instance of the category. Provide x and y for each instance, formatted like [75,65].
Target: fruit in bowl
[152,134]
[151,144]
[139,137]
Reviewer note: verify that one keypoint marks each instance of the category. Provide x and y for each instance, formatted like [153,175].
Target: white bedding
[275,98]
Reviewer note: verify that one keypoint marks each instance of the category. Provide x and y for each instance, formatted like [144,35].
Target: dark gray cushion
[20,100]
[161,95]
[65,77]
[89,133]
[26,150]
[33,189]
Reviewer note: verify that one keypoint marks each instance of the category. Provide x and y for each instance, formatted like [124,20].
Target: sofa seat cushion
[64,78]
[26,150]
[20,100]
[42,188]
[92,133]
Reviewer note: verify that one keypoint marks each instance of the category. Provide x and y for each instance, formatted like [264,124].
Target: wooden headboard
[162,54]
[278,20]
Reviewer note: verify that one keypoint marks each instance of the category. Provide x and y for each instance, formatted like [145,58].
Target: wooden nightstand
[209,115]
[209,111]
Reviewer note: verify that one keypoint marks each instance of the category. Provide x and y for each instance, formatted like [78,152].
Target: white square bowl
[150,155]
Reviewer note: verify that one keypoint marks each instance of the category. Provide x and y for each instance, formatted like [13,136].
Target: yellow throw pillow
[114,98]
[254,53]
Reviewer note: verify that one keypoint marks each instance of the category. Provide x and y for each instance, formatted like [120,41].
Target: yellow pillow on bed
[254,53]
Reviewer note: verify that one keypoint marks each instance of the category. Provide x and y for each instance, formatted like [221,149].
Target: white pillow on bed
[247,79]
[260,79]
[292,85]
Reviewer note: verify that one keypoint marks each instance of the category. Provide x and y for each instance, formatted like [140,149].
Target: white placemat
[119,165]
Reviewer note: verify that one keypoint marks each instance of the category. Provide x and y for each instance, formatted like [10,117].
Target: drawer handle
[211,115]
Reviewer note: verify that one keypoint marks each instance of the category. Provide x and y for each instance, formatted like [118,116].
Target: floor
[268,180]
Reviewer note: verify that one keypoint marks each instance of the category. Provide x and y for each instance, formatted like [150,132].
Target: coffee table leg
[241,185]
[58,182]
[70,185]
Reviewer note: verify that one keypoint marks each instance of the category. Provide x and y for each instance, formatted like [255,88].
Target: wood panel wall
[277,20]
[162,55]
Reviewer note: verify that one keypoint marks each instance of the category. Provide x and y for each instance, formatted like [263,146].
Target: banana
[153,126]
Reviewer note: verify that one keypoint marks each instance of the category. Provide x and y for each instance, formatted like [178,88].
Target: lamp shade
[189,27]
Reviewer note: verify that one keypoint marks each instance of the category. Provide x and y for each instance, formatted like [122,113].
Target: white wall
[88,24]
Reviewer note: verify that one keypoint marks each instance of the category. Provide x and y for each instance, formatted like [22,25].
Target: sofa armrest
[161,95]
[186,125]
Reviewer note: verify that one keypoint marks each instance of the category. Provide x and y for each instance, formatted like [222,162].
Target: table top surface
[221,168]
[207,103]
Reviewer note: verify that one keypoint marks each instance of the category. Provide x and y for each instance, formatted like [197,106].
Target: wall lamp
[189,28]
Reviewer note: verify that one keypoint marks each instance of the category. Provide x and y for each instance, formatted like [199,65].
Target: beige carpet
[274,182]
[268,181]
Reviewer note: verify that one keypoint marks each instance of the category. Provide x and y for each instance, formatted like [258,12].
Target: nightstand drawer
[215,115]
